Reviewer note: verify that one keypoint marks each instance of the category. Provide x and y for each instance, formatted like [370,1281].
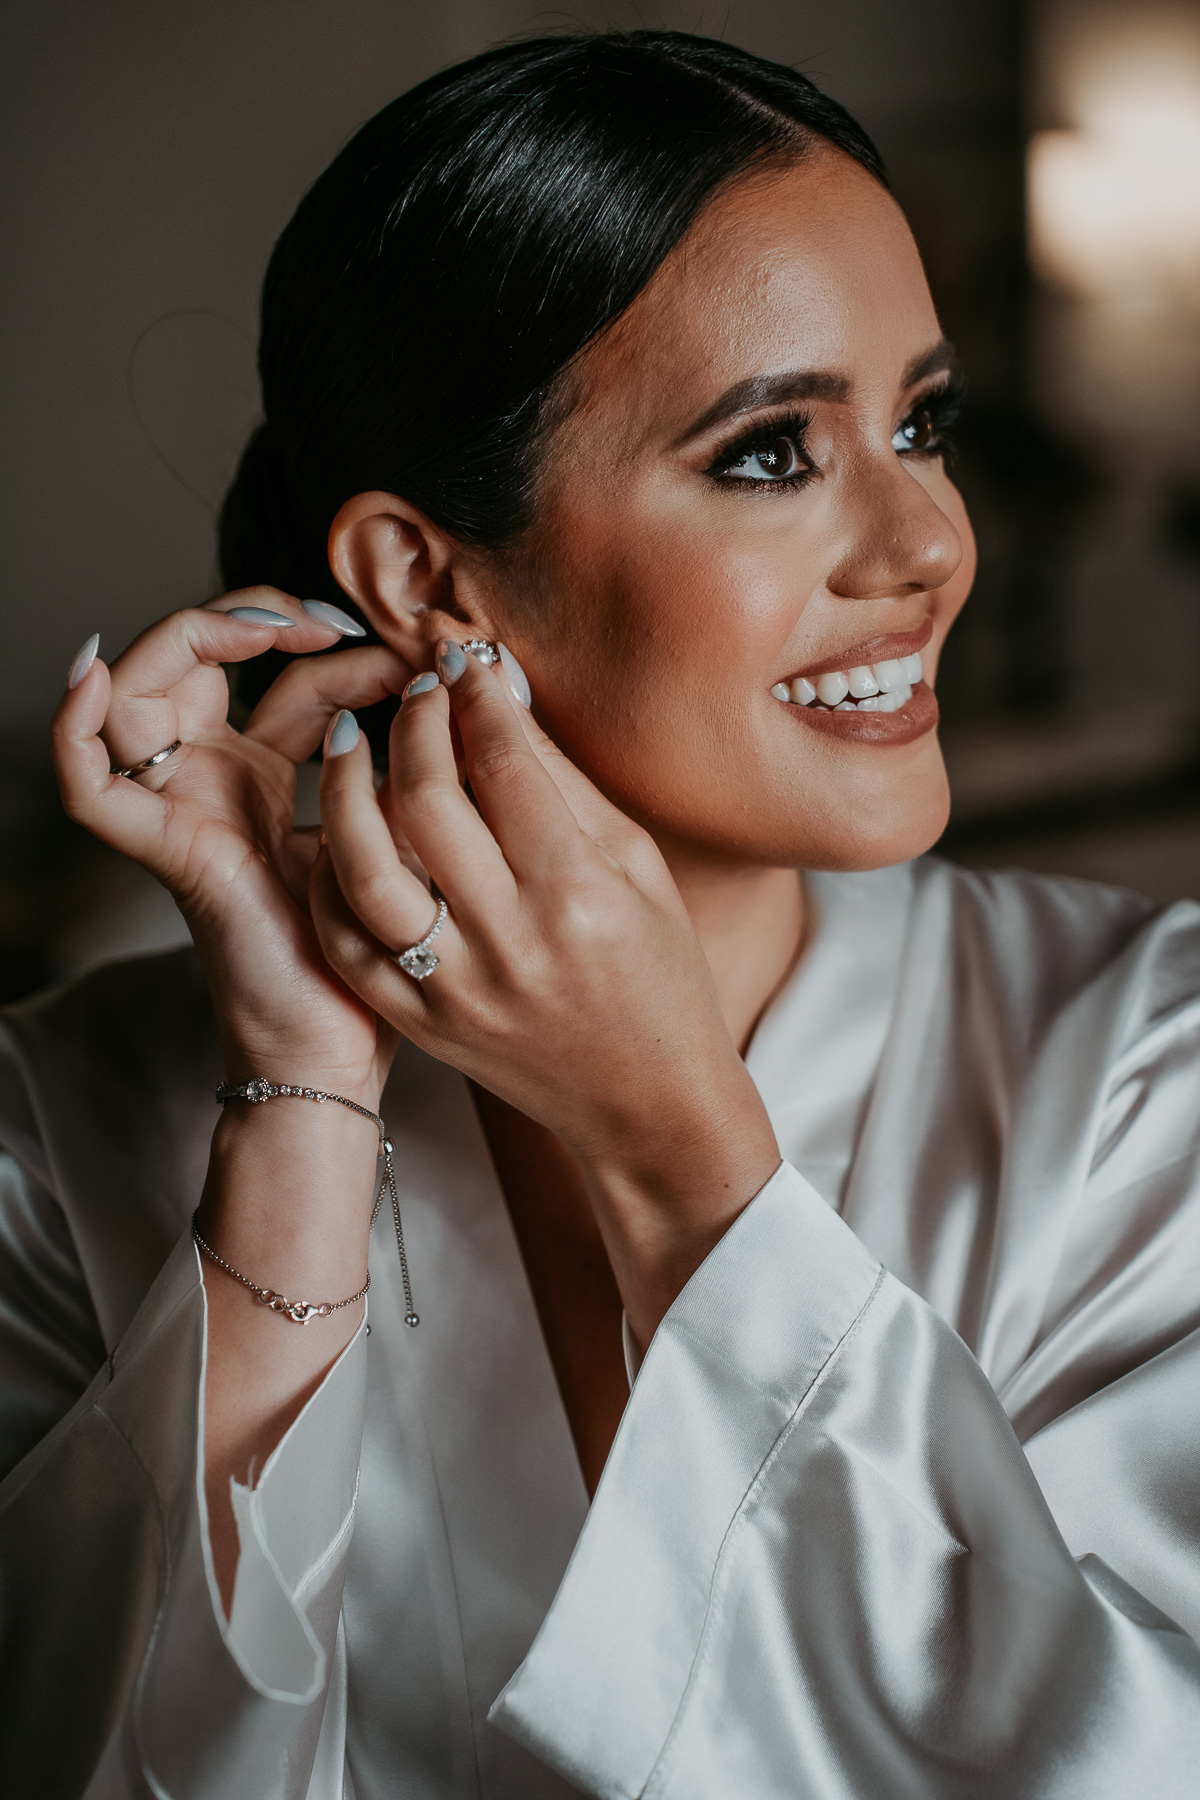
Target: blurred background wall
[1048,154]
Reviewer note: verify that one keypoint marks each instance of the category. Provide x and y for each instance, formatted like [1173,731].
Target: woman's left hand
[570,981]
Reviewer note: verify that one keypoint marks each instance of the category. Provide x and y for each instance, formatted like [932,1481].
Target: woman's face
[747,491]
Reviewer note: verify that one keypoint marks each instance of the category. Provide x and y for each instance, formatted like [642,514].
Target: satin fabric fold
[905,1499]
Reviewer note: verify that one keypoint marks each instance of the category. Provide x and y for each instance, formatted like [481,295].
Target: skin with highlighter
[728,610]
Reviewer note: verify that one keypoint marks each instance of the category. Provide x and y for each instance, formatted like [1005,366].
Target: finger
[603,822]
[118,811]
[444,829]
[293,858]
[389,900]
[294,713]
[521,804]
[357,956]
[156,695]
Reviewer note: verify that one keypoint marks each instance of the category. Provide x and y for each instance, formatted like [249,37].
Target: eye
[919,432]
[772,459]
[928,429]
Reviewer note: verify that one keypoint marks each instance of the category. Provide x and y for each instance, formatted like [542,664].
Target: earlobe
[397,567]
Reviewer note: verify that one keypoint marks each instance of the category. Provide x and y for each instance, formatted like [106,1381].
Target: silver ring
[151,762]
[419,960]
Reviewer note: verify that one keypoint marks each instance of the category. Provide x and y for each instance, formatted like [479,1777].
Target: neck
[751,925]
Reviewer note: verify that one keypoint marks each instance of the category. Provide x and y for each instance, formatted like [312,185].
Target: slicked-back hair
[458,255]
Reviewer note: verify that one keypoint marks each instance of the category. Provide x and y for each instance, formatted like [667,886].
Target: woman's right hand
[214,822]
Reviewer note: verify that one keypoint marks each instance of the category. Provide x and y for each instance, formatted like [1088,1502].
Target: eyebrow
[811,384]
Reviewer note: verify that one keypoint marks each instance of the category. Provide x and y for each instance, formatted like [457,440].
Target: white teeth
[832,688]
[884,687]
[862,683]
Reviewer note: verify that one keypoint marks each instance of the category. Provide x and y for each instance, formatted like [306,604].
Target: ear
[403,572]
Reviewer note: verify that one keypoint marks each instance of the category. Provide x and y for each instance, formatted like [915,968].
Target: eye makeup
[927,428]
[772,453]
[776,445]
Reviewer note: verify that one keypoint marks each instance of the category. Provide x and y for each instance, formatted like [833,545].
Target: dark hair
[462,249]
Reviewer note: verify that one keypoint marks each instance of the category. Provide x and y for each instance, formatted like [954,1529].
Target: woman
[833,1236]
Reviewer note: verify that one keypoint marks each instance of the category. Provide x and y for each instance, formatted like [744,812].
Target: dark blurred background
[1048,154]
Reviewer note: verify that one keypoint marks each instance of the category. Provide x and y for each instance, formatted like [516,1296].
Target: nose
[898,540]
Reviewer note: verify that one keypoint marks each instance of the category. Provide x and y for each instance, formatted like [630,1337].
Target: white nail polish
[260,615]
[84,658]
[517,679]
[322,613]
[343,734]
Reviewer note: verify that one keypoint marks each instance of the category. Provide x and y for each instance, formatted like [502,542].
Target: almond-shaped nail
[451,661]
[421,684]
[342,734]
[83,660]
[259,615]
[324,614]
[518,681]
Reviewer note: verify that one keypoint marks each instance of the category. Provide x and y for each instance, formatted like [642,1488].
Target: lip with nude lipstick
[873,692]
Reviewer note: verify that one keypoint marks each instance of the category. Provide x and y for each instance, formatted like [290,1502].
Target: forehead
[807,267]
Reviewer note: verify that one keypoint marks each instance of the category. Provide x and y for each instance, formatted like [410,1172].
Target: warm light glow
[1115,206]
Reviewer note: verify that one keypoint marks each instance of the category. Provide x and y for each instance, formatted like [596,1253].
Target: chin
[868,825]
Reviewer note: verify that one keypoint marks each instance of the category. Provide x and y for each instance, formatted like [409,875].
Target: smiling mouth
[882,687]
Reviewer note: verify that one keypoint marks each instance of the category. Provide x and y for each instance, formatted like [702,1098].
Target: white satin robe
[906,1499]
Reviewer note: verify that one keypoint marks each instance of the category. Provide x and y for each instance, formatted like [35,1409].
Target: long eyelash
[791,425]
[944,405]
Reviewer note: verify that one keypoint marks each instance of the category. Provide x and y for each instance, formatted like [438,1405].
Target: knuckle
[498,762]
[422,797]
[584,911]
[374,890]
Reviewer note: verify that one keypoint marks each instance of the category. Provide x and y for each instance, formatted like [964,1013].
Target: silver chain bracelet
[257,1092]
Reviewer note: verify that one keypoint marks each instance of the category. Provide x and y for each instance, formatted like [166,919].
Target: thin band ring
[419,960]
[151,762]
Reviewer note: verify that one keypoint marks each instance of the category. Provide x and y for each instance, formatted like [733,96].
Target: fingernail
[421,684]
[342,734]
[258,615]
[333,616]
[518,681]
[83,661]
[450,661]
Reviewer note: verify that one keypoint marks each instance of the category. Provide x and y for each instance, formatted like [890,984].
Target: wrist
[664,1200]
[284,1067]
[678,1156]
[290,1190]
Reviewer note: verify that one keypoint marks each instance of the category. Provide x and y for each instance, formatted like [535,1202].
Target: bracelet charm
[299,1311]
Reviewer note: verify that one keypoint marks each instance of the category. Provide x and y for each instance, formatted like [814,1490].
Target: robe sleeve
[819,1562]
[119,1674]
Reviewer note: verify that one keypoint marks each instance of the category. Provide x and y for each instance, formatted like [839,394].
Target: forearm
[288,1203]
[668,1194]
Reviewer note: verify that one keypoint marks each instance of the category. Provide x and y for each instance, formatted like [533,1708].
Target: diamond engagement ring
[151,762]
[419,960]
